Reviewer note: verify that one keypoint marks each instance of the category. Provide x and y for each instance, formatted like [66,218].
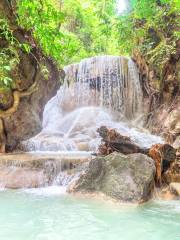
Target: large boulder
[128,178]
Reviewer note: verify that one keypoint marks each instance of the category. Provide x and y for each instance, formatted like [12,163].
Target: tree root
[2,137]
[6,113]
[17,96]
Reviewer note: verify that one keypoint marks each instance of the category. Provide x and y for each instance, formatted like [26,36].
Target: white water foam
[47,191]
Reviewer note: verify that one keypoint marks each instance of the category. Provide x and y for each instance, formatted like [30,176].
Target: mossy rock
[6,98]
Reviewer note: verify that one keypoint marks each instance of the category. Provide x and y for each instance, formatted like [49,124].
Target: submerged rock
[128,178]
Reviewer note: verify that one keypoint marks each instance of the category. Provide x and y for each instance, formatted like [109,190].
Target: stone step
[37,169]
[37,159]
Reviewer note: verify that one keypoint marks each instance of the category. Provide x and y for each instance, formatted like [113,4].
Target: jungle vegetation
[70,30]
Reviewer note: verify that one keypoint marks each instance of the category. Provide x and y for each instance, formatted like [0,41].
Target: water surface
[48,214]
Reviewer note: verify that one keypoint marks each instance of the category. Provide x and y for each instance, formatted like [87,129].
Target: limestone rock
[26,121]
[175,188]
[172,122]
[17,177]
[6,99]
[166,194]
[176,143]
[30,170]
[128,178]
[173,173]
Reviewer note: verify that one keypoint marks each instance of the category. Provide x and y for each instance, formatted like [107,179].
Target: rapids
[98,91]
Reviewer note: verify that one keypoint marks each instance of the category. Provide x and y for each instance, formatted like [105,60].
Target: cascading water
[98,91]
[107,81]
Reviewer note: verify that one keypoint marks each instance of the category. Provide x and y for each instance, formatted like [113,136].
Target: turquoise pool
[47,214]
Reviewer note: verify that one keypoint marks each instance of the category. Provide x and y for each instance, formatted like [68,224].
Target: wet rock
[6,99]
[128,178]
[28,170]
[172,122]
[26,121]
[36,80]
[83,146]
[113,141]
[176,143]
[173,173]
[175,188]
[16,177]
[165,194]
[163,155]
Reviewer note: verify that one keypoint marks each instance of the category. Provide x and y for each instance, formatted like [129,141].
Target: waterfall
[103,90]
[106,81]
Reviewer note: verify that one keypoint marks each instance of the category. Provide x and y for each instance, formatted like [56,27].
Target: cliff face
[25,121]
[35,80]
[162,93]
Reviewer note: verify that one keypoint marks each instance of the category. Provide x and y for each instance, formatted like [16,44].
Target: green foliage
[70,30]
[9,54]
[74,29]
[9,58]
[160,55]
[152,27]
[44,18]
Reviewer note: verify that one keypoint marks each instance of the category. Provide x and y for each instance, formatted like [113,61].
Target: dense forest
[71,30]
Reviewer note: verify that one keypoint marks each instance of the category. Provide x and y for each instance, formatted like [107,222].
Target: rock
[113,141]
[166,194]
[26,121]
[173,173]
[83,146]
[172,122]
[128,178]
[163,155]
[6,98]
[22,115]
[16,177]
[30,170]
[175,188]
[176,143]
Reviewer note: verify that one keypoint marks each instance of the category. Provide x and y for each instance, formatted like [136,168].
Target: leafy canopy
[70,30]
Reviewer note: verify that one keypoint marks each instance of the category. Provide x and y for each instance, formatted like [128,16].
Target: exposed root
[2,137]
[6,113]
[17,96]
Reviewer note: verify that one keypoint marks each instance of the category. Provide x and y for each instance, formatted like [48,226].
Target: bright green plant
[70,30]
[9,58]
